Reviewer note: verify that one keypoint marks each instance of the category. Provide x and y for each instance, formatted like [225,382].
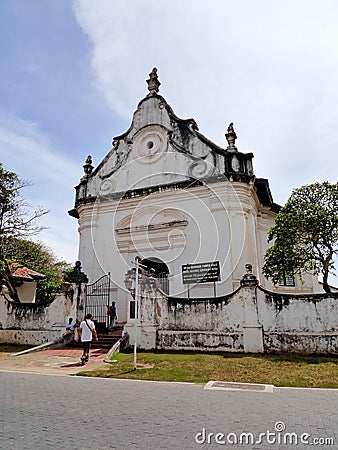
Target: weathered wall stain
[250,319]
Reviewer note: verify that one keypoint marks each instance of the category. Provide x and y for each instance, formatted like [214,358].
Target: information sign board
[201,273]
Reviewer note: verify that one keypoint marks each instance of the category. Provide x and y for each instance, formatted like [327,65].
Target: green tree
[305,234]
[16,220]
[40,258]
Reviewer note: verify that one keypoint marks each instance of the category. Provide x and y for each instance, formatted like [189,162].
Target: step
[95,344]
[104,340]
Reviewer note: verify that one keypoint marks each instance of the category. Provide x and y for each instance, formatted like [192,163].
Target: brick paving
[55,361]
[75,352]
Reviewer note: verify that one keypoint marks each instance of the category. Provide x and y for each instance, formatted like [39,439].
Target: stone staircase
[106,339]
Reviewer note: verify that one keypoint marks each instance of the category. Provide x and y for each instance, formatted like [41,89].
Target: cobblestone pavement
[63,412]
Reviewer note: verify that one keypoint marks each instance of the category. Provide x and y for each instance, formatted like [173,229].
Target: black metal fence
[164,282]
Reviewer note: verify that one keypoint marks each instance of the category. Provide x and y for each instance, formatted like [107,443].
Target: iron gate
[164,282]
[97,301]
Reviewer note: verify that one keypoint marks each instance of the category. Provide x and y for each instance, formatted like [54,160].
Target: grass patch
[279,370]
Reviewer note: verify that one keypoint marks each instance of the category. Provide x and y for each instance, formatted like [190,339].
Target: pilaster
[252,329]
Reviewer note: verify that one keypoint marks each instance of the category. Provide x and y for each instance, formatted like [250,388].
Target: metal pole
[136,309]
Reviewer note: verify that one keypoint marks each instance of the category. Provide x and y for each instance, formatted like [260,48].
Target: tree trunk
[326,286]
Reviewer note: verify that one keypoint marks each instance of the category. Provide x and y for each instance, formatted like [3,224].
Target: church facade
[166,194]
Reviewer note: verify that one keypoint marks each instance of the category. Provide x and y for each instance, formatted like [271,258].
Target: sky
[73,72]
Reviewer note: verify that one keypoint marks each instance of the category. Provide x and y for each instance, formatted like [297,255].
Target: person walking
[86,333]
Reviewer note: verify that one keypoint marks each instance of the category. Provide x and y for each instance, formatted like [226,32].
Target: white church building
[166,194]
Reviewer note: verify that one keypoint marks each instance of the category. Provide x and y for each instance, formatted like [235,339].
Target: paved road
[65,412]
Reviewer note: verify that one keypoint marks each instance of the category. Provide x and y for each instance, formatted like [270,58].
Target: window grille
[287,281]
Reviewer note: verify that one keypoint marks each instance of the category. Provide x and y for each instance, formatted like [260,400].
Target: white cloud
[30,151]
[26,150]
[268,67]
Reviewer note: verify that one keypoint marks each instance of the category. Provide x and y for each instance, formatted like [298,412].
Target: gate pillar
[252,329]
[78,279]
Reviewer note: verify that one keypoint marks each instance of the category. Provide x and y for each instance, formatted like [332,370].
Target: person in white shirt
[86,333]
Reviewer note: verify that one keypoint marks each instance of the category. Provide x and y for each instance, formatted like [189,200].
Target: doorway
[161,271]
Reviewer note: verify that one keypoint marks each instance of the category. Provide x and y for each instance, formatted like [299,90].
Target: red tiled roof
[25,274]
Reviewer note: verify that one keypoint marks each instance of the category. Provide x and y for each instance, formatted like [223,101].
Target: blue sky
[72,73]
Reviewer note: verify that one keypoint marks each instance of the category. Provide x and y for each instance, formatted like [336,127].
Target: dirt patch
[144,366]
[8,349]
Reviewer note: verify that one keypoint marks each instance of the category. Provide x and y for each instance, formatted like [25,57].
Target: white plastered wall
[178,227]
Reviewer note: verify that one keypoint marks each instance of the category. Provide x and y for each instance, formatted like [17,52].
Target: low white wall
[29,337]
[299,323]
[301,342]
[200,340]
[35,324]
[250,320]
[223,314]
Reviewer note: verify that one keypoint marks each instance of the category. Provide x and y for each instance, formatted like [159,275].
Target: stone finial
[88,166]
[249,278]
[231,138]
[248,268]
[231,128]
[76,275]
[153,82]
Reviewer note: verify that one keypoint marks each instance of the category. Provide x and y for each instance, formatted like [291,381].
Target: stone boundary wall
[299,323]
[35,324]
[248,320]
[214,324]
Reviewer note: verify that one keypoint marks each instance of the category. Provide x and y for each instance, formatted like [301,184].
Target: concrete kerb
[232,386]
[120,345]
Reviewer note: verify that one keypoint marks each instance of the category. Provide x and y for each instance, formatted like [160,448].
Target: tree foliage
[305,234]
[16,220]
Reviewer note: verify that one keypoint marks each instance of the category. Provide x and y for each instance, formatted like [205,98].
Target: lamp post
[137,261]
[132,278]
